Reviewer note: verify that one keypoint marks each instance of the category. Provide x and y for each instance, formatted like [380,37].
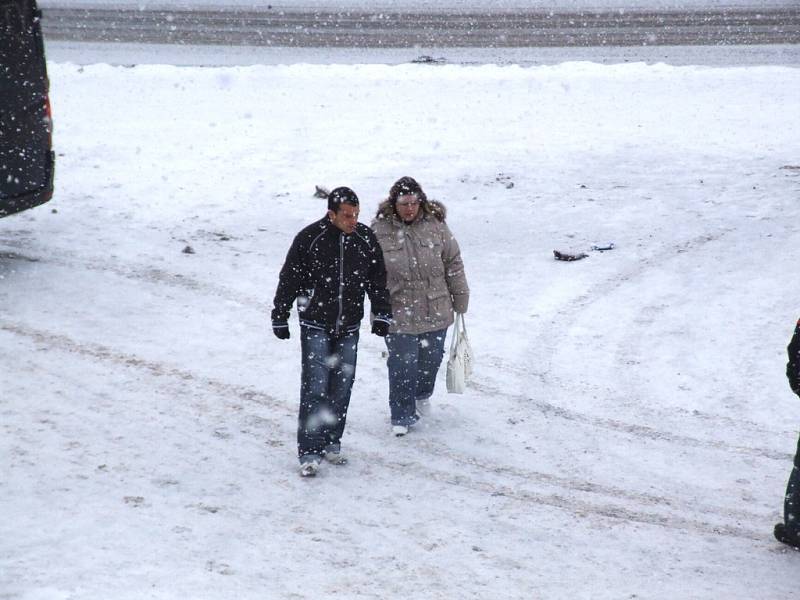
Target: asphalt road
[518,29]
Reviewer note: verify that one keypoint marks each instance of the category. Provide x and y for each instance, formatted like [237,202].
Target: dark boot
[786,537]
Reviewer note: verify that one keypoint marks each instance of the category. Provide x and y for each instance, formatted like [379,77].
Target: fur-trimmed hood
[431,208]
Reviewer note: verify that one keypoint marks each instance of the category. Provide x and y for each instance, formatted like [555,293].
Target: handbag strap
[456,334]
[462,320]
[459,331]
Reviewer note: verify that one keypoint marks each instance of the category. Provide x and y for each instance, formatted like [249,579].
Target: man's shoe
[399,430]
[310,468]
[336,458]
[785,537]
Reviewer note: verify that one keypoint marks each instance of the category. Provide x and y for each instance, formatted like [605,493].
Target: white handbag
[459,364]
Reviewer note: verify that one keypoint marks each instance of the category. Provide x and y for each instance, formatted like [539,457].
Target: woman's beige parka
[425,274]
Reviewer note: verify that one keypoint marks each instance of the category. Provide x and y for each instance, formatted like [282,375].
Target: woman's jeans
[413,363]
[328,370]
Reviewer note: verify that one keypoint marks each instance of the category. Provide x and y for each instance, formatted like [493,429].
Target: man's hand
[380,328]
[281,330]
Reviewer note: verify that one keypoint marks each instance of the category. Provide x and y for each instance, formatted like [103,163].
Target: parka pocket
[395,260]
[439,305]
[430,257]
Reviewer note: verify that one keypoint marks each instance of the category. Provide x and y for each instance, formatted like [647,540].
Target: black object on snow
[568,256]
[426,59]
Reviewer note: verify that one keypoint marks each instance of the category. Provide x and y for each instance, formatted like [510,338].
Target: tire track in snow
[641,498]
[566,315]
[634,387]
[641,431]
[574,505]
[647,314]
[159,276]
[570,504]
[138,273]
[579,485]
[157,369]
[587,388]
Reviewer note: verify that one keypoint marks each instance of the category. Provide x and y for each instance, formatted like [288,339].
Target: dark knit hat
[341,195]
[406,185]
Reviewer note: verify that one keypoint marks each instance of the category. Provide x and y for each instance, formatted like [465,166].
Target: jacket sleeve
[290,283]
[793,366]
[380,304]
[454,273]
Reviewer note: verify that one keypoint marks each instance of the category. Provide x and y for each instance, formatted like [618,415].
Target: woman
[426,281]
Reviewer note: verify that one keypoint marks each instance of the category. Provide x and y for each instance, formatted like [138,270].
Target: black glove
[380,328]
[281,330]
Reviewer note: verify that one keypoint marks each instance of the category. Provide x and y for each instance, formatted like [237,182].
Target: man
[329,267]
[788,532]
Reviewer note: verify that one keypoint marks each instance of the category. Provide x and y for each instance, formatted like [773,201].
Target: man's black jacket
[793,366]
[328,271]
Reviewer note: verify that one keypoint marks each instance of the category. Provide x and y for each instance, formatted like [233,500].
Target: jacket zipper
[341,281]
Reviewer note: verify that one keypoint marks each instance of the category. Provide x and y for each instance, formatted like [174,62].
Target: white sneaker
[309,469]
[399,430]
[336,458]
[424,407]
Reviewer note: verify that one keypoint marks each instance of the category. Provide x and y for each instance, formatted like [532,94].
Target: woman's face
[407,207]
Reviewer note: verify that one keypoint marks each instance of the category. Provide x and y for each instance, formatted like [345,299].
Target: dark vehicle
[26,157]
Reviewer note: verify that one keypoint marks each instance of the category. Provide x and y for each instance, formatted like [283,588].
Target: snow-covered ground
[629,429]
[85,53]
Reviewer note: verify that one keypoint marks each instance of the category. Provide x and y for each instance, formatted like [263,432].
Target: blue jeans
[328,370]
[413,363]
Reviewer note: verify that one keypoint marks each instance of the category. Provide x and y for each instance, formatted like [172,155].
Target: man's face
[407,207]
[346,219]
